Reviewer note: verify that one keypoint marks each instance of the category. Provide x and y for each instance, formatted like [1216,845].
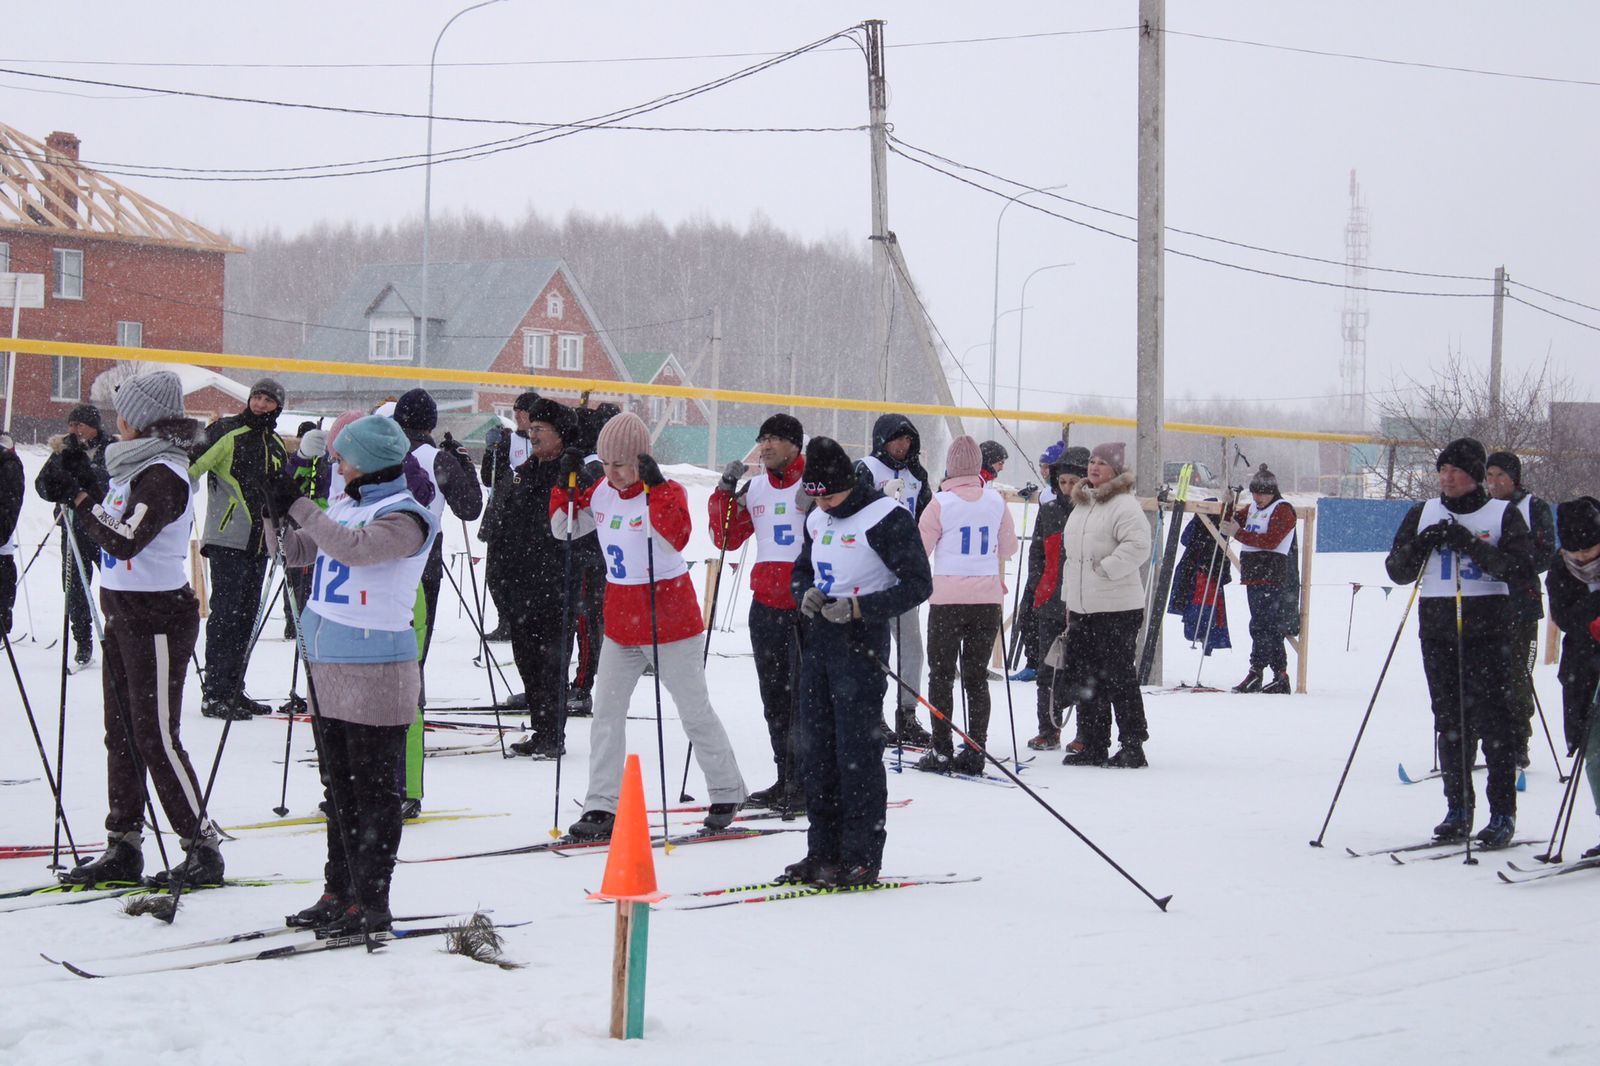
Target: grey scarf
[1588,572]
[126,458]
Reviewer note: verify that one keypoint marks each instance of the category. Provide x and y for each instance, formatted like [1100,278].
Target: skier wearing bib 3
[366,554]
[861,566]
[642,520]
[1467,547]
[152,620]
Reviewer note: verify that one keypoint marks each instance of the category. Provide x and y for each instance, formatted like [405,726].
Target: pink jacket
[956,589]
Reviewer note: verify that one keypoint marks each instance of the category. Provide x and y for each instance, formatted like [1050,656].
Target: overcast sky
[1462,171]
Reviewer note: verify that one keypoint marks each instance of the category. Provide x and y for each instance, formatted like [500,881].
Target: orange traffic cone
[630,866]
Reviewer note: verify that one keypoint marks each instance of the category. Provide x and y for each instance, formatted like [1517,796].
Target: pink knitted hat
[339,424]
[623,439]
[964,459]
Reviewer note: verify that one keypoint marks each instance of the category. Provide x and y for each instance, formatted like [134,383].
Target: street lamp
[427,183]
[1021,322]
[994,323]
[962,362]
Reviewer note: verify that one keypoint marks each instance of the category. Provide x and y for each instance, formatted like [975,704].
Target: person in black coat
[1043,592]
[84,433]
[1574,588]
[1465,550]
[12,488]
[590,567]
[861,566]
[1503,481]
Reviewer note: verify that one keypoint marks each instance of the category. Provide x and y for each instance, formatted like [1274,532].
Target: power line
[1182,232]
[543,62]
[1553,296]
[1189,255]
[1385,61]
[1552,314]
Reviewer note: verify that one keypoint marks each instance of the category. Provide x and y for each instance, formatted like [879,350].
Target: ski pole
[1214,585]
[1569,799]
[478,626]
[1009,659]
[483,636]
[282,809]
[566,621]
[711,622]
[61,758]
[655,658]
[1373,702]
[1160,902]
[1548,739]
[38,742]
[1466,741]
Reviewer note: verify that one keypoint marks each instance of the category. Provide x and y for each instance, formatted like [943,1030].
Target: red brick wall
[596,364]
[176,293]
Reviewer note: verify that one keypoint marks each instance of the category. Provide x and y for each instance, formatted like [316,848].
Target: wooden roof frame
[36,182]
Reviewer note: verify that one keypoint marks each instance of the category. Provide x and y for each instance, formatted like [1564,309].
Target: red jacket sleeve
[1050,578]
[1280,525]
[669,513]
[740,526]
[558,498]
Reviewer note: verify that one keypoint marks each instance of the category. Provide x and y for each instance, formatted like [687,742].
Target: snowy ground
[1271,951]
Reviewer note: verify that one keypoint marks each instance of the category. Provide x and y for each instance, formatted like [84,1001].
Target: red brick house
[118,269]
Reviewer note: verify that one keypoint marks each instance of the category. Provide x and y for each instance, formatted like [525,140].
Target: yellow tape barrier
[414,375]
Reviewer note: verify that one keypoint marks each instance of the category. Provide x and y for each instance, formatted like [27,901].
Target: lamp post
[1021,322]
[962,362]
[994,323]
[427,183]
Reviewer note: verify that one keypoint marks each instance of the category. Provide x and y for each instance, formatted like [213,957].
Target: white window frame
[58,378]
[571,352]
[60,275]
[130,334]
[5,257]
[554,305]
[536,349]
[389,341]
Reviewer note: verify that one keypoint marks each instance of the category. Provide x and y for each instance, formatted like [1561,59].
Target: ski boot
[594,825]
[908,729]
[580,705]
[1279,685]
[771,796]
[84,655]
[1456,825]
[410,807]
[535,746]
[809,871]
[1129,757]
[356,919]
[934,762]
[719,816]
[227,710]
[253,706]
[1080,754]
[1251,682]
[123,860]
[1592,853]
[202,865]
[1499,831]
[967,761]
[855,877]
[1045,742]
[1027,673]
[321,914]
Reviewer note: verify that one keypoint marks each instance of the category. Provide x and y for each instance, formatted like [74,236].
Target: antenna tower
[1353,325]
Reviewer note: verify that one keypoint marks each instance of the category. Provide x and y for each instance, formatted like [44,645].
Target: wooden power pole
[1152,248]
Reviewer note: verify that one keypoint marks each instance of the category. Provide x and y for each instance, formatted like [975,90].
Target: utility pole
[1152,248]
[1495,336]
[716,383]
[882,281]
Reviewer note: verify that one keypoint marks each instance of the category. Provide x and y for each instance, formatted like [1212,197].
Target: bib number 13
[1470,571]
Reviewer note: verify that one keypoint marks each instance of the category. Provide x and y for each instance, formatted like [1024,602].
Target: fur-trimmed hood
[1084,493]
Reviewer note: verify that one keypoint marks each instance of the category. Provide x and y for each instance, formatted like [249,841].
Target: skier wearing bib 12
[642,520]
[862,565]
[1462,542]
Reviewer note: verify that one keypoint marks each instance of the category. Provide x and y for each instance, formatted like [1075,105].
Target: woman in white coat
[1104,544]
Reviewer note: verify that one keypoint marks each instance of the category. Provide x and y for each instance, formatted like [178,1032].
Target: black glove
[571,463]
[493,436]
[453,446]
[77,464]
[282,490]
[1459,538]
[1028,491]
[56,483]
[1434,537]
[650,472]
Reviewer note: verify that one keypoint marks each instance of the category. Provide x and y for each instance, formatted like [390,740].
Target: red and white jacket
[769,579]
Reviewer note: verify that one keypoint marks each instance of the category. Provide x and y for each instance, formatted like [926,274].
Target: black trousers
[8,590]
[1524,656]
[363,797]
[775,639]
[143,675]
[1054,686]
[541,658]
[590,629]
[961,636]
[839,740]
[236,578]
[1486,705]
[1267,627]
[297,583]
[77,597]
[1105,678]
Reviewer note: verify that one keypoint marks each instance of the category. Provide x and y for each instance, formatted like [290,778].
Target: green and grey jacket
[239,453]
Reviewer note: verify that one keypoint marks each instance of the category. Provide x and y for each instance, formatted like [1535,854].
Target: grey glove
[1228,528]
[812,602]
[730,477]
[314,445]
[841,611]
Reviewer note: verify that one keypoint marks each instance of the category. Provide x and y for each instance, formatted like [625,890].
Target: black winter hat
[1578,523]
[1464,454]
[86,414]
[416,411]
[526,401]
[1074,460]
[1508,462]
[992,452]
[1264,481]
[828,468]
[267,387]
[305,427]
[786,427]
[557,415]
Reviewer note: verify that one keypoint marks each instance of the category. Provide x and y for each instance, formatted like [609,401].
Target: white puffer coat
[1106,541]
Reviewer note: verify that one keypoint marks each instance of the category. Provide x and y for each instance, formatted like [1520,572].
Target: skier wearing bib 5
[642,520]
[1467,549]
[861,566]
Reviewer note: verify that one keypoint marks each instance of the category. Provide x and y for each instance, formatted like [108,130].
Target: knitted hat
[1264,481]
[623,439]
[526,401]
[337,427]
[993,452]
[1509,463]
[1464,454]
[416,411]
[828,468]
[1113,454]
[964,458]
[786,427]
[85,414]
[267,387]
[145,399]
[305,427]
[373,443]
[557,415]
[1578,523]
[1074,460]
